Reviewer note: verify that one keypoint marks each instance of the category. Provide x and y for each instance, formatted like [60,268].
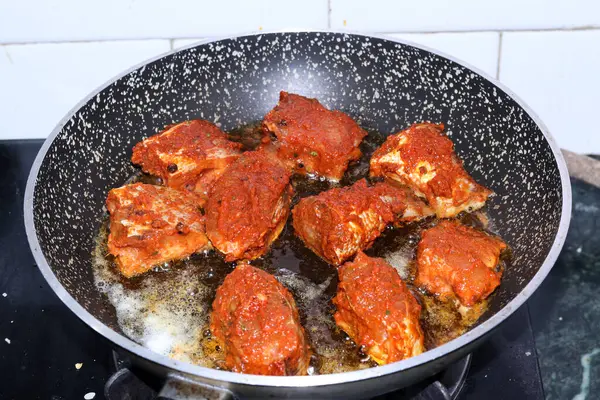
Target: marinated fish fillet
[190,155]
[339,222]
[377,310]
[256,319]
[423,158]
[150,225]
[456,260]
[248,206]
[312,139]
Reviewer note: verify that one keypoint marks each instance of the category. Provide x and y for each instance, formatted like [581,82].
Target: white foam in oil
[165,311]
[401,259]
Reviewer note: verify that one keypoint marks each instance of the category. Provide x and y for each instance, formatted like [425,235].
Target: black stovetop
[41,341]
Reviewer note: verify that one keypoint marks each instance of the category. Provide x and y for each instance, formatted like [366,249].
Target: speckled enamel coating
[384,85]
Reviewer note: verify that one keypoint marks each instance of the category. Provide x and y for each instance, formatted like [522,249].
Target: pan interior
[168,310]
[384,85]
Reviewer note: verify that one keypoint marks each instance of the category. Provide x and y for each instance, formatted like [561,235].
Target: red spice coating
[150,225]
[255,318]
[339,222]
[190,155]
[248,206]
[312,139]
[377,310]
[454,259]
[423,158]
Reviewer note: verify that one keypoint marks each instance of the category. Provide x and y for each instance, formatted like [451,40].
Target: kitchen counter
[565,311]
[36,362]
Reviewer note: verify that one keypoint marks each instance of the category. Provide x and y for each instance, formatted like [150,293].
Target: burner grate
[126,384]
[446,385]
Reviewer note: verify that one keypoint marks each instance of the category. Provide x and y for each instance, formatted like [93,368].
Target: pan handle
[178,387]
[124,384]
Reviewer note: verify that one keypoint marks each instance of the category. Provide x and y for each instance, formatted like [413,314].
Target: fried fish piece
[337,223]
[456,260]
[312,139]
[377,310]
[256,319]
[150,225]
[423,158]
[189,155]
[248,206]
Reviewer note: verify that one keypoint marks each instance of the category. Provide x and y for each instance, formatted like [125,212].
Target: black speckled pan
[386,85]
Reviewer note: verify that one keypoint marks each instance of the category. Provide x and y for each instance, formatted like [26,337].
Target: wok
[386,85]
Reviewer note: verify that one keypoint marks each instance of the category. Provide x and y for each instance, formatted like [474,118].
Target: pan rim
[299,381]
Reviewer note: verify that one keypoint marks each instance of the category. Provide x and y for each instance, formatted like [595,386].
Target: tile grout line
[573,29]
[171,44]
[25,43]
[7,54]
[500,39]
[524,30]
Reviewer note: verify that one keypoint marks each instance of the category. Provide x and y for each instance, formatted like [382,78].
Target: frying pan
[385,85]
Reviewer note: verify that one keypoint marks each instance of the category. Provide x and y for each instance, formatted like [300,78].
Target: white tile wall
[558,75]
[479,49]
[462,15]
[66,20]
[40,83]
[554,70]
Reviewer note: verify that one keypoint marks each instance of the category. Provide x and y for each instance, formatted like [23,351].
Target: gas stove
[46,352]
